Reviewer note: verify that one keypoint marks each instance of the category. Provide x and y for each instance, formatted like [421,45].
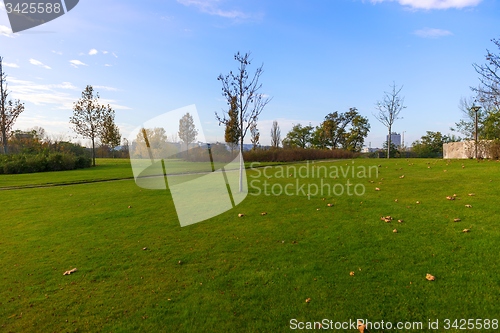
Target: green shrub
[29,163]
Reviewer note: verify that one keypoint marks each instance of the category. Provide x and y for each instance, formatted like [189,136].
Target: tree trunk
[93,152]
[241,165]
[389,143]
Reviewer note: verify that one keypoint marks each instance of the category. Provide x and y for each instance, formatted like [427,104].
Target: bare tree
[275,135]
[389,109]
[9,110]
[89,117]
[489,76]
[249,101]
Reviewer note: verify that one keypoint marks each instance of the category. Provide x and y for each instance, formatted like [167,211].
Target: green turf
[251,274]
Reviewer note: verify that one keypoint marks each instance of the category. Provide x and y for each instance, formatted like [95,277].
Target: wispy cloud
[212,7]
[77,63]
[57,52]
[43,94]
[6,31]
[93,52]
[434,4]
[38,63]
[106,88]
[432,33]
[10,64]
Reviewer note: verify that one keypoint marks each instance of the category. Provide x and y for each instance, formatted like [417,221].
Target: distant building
[395,139]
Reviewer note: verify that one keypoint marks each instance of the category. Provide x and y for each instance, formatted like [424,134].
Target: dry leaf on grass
[241,215]
[361,327]
[70,271]
[351,273]
[377,189]
[471,194]
[395,231]
[400,221]
[457,220]
[466,230]
[403,176]
[468,206]
[263,213]
[308,300]
[450,198]
[396,200]
[418,202]
[330,205]
[430,277]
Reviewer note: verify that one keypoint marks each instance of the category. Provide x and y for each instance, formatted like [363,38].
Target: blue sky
[150,57]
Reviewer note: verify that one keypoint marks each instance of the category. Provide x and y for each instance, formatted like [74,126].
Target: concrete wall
[465,149]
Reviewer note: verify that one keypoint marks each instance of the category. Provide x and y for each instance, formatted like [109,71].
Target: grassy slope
[252,273]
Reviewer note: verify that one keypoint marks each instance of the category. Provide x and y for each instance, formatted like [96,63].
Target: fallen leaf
[466,230]
[361,327]
[430,277]
[468,206]
[450,198]
[263,213]
[330,205]
[351,273]
[144,248]
[308,300]
[471,194]
[396,200]
[403,176]
[377,189]
[70,271]
[241,215]
[418,202]
[457,220]
[395,231]
[400,221]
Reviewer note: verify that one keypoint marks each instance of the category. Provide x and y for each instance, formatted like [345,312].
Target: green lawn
[251,274]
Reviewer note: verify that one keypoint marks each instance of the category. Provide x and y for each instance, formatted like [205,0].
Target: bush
[295,154]
[15,164]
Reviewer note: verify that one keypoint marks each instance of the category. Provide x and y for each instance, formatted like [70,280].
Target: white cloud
[76,63]
[57,52]
[432,33]
[42,94]
[107,65]
[93,52]
[38,63]
[434,4]
[2,7]
[106,88]
[211,7]
[10,64]
[105,52]
[114,55]
[6,31]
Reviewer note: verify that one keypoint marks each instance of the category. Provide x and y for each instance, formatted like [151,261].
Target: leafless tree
[243,91]
[9,110]
[489,76]
[275,135]
[254,135]
[389,109]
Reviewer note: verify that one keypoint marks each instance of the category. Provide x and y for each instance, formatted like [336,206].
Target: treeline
[31,151]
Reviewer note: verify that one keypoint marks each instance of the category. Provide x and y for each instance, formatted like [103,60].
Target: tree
[254,135]
[299,136]
[110,134]
[389,109]
[249,101]
[489,76]
[355,137]
[232,133]
[89,117]
[431,144]
[275,135]
[187,130]
[9,110]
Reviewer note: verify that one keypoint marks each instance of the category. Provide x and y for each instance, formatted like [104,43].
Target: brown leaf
[471,194]
[377,189]
[70,271]
[400,221]
[263,213]
[395,231]
[330,205]
[466,230]
[308,300]
[430,277]
[351,273]
[468,206]
[241,215]
[361,327]
[457,220]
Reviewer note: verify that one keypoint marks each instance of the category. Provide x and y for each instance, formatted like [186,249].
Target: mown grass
[251,274]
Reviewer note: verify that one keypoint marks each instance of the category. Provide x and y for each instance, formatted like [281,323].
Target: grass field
[255,273]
